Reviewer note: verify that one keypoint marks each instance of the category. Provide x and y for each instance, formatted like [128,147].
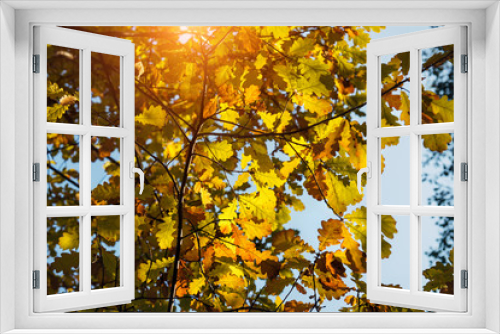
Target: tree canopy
[234,126]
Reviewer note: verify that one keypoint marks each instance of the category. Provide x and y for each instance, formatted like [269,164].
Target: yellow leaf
[53,91]
[268,119]
[389,141]
[277,32]
[279,304]
[148,271]
[152,116]
[356,257]
[289,167]
[268,179]
[438,143]
[296,145]
[165,234]
[196,285]
[405,108]
[374,28]
[206,198]
[319,106]
[231,282]
[56,112]
[172,149]
[362,39]
[302,46]
[242,178]
[223,74]
[227,216]
[229,115]
[232,299]
[245,159]
[261,206]
[283,121]
[443,109]
[220,151]
[312,67]
[260,61]
[253,230]
[69,240]
[339,195]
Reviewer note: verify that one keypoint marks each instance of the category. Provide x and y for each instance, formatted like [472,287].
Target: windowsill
[251,331]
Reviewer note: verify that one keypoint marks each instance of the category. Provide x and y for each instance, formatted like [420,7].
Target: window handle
[368,171]
[141,176]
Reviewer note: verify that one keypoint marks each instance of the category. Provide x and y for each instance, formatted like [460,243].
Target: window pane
[63,85]
[395,255]
[63,255]
[395,93]
[395,170]
[63,170]
[105,272]
[437,254]
[437,84]
[105,79]
[437,169]
[105,171]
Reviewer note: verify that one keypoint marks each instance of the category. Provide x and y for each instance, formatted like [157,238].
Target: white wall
[7,158]
[492,167]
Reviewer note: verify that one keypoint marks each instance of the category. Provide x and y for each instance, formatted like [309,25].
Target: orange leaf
[330,233]
[252,94]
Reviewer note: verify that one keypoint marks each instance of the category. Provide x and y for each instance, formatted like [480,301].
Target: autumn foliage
[235,126]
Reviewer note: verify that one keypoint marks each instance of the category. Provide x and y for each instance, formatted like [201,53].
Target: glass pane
[105,77]
[105,272]
[437,84]
[395,253]
[395,93]
[105,171]
[437,254]
[63,170]
[63,84]
[63,255]
[437,169]
[395,170]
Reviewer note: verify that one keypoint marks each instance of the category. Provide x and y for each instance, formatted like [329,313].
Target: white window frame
[413,296]
[85,297]
[483,20]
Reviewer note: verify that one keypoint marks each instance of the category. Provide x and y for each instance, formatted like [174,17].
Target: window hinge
[36,172]
[465,64]
[36,279]
[36,63]
[464,172]
[465,279]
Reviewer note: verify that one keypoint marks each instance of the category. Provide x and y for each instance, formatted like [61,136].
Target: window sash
[86,297]
[414,298]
